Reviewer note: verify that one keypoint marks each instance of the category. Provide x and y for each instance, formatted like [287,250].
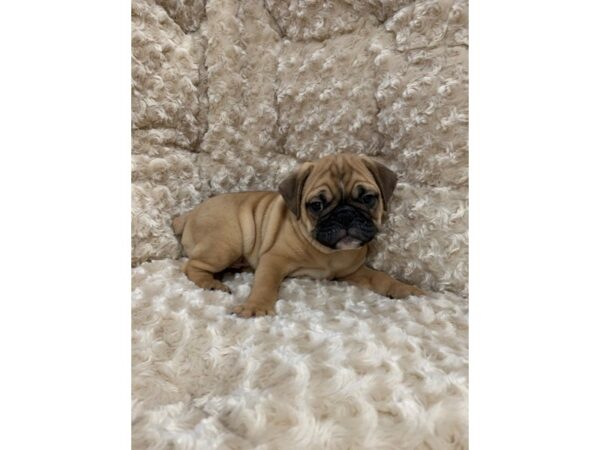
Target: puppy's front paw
[401,290]
[254,310]
[215,285]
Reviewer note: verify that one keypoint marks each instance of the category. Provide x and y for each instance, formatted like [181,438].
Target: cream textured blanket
[231,95]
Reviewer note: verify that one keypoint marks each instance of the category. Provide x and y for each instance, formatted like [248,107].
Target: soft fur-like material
[337,367]
[231,95]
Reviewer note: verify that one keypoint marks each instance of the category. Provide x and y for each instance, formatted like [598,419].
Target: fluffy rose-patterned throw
[231,95]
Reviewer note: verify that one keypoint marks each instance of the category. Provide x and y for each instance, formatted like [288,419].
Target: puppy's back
[234,217]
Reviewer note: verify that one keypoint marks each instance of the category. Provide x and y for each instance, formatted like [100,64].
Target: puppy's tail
[179,223]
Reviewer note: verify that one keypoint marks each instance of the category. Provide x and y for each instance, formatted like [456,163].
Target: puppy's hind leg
[206,260]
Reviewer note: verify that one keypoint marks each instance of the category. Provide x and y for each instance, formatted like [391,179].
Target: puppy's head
[339,200]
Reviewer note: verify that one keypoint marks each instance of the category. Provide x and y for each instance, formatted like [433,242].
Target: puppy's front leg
[381,283]
[268,276]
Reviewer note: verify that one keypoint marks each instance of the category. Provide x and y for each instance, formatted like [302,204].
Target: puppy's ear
[384,177]
[291,188]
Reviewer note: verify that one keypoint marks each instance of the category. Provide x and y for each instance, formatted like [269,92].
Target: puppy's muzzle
[345,227]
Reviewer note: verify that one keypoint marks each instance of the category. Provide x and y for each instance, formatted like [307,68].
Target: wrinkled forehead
[338,178]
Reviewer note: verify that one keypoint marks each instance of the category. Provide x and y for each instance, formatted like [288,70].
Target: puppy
[317,225]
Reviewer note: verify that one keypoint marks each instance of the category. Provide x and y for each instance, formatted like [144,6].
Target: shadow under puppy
[317,225]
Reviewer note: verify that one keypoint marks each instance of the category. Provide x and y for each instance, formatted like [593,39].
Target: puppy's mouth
[348,243]
[342,239]
[345,228]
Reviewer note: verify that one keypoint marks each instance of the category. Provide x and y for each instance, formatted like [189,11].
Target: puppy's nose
[345,216]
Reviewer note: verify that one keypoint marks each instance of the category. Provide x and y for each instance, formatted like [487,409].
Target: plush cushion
[231,95]
[337,367]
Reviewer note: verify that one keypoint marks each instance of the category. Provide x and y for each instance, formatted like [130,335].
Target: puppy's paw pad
[247,310]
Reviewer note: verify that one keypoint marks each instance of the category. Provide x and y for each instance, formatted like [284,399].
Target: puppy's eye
[315,206]
[369,200]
